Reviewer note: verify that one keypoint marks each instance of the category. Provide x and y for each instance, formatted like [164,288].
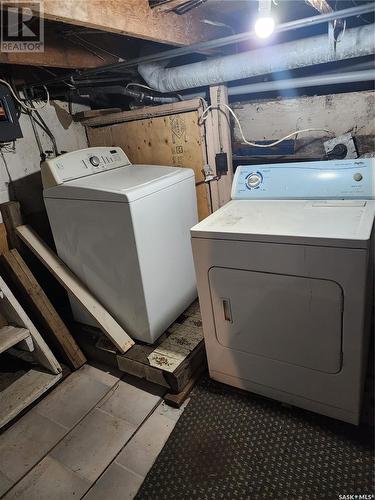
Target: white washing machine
[285,274]
[124,231]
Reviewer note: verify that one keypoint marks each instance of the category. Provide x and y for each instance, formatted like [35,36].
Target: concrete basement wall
[272,119]
[26,159]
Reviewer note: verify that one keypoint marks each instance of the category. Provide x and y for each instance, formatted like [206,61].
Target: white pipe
[306,81]
[356,42]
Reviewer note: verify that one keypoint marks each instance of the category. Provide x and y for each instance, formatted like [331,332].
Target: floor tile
[90,447]
[102,374]
[49,480]
[75,397]
[26,442]
[117,483]
[141,452]
[130,403]
[5,484]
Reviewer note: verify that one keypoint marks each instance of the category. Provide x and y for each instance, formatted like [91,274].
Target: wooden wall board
[173,140]
[145,112]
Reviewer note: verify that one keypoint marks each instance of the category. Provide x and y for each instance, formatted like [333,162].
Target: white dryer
[285,283]
[124,231]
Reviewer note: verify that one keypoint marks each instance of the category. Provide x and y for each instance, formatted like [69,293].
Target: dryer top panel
[336,179]
[346,223]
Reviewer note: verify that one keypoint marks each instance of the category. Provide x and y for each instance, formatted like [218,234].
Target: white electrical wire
[254,144]
[22,104]
[139,85]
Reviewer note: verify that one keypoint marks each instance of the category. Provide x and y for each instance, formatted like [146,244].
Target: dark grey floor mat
[234,445]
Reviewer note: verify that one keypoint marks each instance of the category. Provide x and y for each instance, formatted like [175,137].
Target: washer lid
[333,223]
[124,184]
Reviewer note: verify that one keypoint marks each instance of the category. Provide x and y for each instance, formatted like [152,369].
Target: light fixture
[265,23]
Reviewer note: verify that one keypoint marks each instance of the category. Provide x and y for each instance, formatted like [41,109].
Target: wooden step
[21,393]
[12,335]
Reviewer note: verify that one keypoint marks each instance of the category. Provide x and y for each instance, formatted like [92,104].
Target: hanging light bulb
[265,23]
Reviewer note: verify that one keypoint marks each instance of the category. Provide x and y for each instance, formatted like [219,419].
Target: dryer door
[292,319]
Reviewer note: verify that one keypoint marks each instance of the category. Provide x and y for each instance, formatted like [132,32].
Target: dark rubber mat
[233,445]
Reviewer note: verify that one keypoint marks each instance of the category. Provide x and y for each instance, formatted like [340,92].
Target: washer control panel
[335,179]
[81,163]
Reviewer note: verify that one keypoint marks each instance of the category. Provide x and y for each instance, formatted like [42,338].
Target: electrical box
[9,125]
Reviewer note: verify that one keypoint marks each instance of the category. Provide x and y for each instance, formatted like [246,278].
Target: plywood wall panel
[173,140]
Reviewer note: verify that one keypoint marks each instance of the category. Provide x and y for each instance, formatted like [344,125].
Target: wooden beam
[132,18]
[41,310]
[76,288]
[219,140]
[58,53]
[143,113]
[12,217]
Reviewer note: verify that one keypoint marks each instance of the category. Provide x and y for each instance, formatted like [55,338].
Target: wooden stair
[12,335]
[24,391]
[17,334]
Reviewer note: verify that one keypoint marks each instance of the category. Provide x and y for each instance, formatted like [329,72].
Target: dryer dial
[254,180]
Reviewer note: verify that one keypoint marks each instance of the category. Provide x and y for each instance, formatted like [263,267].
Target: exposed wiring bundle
[254,144]
[22,103]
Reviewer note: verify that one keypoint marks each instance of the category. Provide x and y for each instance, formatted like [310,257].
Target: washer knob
[94,160]
[253,180]
[357,177]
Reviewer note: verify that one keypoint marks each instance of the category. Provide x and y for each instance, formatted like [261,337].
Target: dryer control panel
[335,179]
[81,163]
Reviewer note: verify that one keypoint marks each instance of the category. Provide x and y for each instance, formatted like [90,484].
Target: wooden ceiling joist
[59,52]
[133,18]
[56,57]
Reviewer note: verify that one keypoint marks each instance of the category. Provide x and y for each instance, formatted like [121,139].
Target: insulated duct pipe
[356,42]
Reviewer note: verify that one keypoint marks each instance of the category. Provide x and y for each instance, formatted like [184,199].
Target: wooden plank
[177,400]
[12,335]
[58,53]
[74,286]
[146,112]
[132,18]
[173,140]
[14,314]
[41,308]
[25,390]
[3,239]
[94,113]
[136,362]
[11,214]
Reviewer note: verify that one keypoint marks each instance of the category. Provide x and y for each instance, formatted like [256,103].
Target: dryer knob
[94,160]
[254,180]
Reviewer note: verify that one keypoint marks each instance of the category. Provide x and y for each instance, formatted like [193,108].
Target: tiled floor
[92,437]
